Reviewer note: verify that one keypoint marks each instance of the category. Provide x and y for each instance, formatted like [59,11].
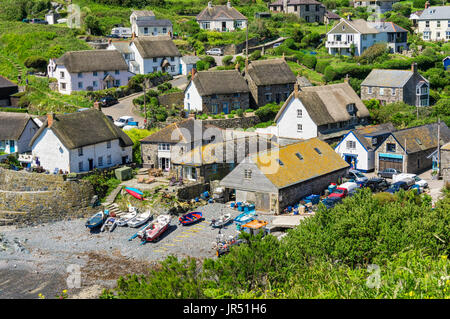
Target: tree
[93,25]
[36,62]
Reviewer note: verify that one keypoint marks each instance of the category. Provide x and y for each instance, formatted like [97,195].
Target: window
[80,166]
[300,157]
[427,24]
[63,86]
[155,59]
[438,24]
[299,127]
[351,108]
[214,108]
[145,30]
[80,75]
[381,91]
[117,82]
[236,95]
[94,73]
[247,173]
[108,144]
[351,144]
[369,90]
[94,84]
[155,69]
[108,160]
[164,147]
[447,34]
[205,25]
[188,95]
[100,161]
[164,30]
[318,151]
[426,35]
[172,59]
[390,147]
[172,68]
[236,105]
[307,18]
[307,7]
[117,72]
[80,85]
[61,75]
[299,113]
[268,97]
[214,96]
[423,102]
[393,91]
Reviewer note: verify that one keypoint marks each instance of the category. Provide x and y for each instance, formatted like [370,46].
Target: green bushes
[335,72]
[268,112]
[36,62]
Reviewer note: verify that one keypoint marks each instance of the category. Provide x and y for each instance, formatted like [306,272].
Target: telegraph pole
[145,104]
[438,147]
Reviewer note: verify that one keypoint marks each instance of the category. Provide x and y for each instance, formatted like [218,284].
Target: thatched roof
[13,124]
[92,61]
[156,47]
[328,103]
[85,128]
[219,82]
[220,13]
[270,72]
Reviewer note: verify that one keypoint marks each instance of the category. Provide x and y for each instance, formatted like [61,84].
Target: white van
[404,176]
[351,187]
[121,32]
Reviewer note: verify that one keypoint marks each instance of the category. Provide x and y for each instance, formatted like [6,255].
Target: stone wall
[31,198]
[237,122]
[171,99]
[445,165]
[191,191]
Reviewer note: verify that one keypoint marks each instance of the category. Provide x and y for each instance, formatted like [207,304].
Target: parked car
[388,173]
[357,176]
[344,190]
[377,184]
[330,202]
[108,101]
[215,51]
[397,186]
[417,179]
[276,45]
[123,120]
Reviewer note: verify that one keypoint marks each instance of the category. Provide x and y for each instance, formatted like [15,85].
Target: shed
[124,173]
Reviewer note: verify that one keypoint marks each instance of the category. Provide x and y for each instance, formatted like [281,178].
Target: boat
[222,221]
[97,219]
[190,218]
[124,219]
[153,231]
[140,219]
[245,217]
[109,224]
[135,192]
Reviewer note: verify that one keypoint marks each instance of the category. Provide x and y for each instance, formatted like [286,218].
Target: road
[125,106]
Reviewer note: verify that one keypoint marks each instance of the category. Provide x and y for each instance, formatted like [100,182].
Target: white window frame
[299,127]
[299,113]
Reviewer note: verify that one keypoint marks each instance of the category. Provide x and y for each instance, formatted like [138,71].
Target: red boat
[190,218]
[135,193]
[154,230]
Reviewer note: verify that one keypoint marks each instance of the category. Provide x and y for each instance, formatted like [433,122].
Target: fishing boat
[245,217]
[140,219]
[97,219]
[190,218]
[135,192]
[124,219]
[109,224]
[153,231]
[223,220]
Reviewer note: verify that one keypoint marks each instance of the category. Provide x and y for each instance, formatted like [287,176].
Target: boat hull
[190,218]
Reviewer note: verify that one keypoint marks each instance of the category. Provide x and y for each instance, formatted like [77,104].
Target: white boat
[154,230]
[140,219]
[222,221]
[124,219]
[109,224]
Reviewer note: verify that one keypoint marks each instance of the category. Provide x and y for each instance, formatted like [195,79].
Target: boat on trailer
[155,229]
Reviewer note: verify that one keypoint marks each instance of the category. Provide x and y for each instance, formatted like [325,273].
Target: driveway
[125,106]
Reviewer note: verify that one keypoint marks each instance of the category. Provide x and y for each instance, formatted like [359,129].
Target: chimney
[97,106]
[414,68]
[193,71]
[346,78]
[50,119]
[427,4]
[296,91]
[133,36]
[209,4]
[228,4]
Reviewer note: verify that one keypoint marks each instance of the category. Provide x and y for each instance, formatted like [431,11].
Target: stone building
[215,92]
[309,10]
[275,179]
[445,162]
[408,150]
[269,81]
[389,86]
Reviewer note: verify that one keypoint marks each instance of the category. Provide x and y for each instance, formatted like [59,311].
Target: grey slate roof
[143,13]
[190,59]
[387,78]
[220,13]
[122,46]
[271,71]
[92,60]
[156,46]
[12,125]
[85,128]
[358,25]
[386,27]
[436,13]
[365,134]
[154,23]
[219,82]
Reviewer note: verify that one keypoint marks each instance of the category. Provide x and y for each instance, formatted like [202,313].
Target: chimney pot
[228,4]
[414,67]
[50,119]
[296,90]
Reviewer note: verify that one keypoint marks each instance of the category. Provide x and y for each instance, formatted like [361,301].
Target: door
[91,164]
[387,162]
[225,108]
[224,26]
[12,146]
[278,98]
[124,160]
[352,160]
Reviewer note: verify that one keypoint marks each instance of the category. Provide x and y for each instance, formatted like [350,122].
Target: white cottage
[358,146]
[320,111]
[79,142]
[153,54]
[89,70]
[221,18]
[16,132]
[144,23]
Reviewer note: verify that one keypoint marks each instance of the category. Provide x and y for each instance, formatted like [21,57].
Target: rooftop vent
[300,157]
[317,150]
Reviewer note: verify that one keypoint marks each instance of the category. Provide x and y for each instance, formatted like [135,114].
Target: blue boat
[97,220]
[245,217]
[190,218]
[134,190]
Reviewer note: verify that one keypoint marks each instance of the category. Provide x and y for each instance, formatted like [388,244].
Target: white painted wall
[27,134]
[217,25]
[50,151]
[287,122]
[147,65]
[192,99]
[365,159]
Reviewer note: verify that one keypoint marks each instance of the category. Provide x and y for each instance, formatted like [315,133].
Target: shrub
[227,60]
[309,61]
[255,55]
[240,112]
[36,62]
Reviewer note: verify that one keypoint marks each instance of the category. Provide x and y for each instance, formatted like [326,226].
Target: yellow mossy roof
[294,170]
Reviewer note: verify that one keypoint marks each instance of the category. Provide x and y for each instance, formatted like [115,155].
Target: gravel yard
[41,259]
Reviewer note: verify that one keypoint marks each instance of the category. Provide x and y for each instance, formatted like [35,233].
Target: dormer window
[351,109]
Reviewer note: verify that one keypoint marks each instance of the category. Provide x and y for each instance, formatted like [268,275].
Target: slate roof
[154,23]
[156,46]
[295,170]
[358,25]
[219,82]
[12,125]
[186,131]
[190,59]
[421,138]
[365,134]
[332,15]
[328,103]
[143,13]
[270,72]
[386,27]
[303,81]
[85,128]
[294,2]
[122,46]
[387,78]
[7,88]
[92,60]
[220,13]
[5,83]
[435,13]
